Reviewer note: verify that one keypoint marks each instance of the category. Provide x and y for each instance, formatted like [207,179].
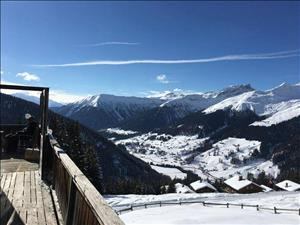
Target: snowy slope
[266,103]
[233,156]
[162,149]
[289,111]
[171,172]
[196,102]
[181,188]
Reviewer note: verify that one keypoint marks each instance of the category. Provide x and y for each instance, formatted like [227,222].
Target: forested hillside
[111,169]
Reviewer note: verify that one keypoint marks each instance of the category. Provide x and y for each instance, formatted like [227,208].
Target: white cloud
[60,96]
[28,76]
[65,97]
[162,78]
[2,72]
[111,43]
[259,56]
[163,94]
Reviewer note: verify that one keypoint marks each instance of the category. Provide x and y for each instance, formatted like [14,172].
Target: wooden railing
[79,201]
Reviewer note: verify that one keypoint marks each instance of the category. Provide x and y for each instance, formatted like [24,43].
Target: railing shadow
[8,214]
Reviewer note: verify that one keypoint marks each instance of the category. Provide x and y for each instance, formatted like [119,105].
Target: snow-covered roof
[197,185]
[237,183]
[266,188]
[288,185]
[181,188]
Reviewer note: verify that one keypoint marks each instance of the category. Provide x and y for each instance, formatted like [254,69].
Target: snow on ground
[266,188]
[283,115]
[227,157]
[196,213]
[199,214]
[236,183]
[181,188]
[171,172]
[162,149]
[288,185]
[120,131]
[232,156]
[279,199]
[197,185]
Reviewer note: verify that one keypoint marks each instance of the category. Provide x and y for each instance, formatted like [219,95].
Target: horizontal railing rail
[79,201]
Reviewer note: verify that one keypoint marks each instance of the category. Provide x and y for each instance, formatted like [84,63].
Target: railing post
[227,205]
[242,205]
[71,203]
[257,207]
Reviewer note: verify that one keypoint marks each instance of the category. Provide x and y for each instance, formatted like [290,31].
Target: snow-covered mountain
[280,100]
[103,111]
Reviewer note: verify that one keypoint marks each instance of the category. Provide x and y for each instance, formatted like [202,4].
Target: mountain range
[215,135]
[145,114]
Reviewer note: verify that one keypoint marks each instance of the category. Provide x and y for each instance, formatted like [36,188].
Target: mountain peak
[235,90]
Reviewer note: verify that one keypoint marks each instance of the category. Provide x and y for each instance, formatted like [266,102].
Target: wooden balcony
[51,190]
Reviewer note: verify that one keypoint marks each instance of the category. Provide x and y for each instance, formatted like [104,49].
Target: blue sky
[139,47]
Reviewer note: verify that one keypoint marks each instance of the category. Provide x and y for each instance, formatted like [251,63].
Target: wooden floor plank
[27,188]
[29,197]
[39,200]
[32,188]
[3,178]
[48,207]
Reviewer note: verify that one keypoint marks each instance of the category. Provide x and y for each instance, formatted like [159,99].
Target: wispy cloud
[260,56]
[110,43]
[1,72]
[28,76]
[162,78]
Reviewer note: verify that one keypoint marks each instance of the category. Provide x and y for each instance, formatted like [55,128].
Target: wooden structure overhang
[79,202]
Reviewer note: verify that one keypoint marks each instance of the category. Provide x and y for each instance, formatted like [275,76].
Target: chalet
[288,185]
[237,184]
[266,188]
[181,188]
[203,187]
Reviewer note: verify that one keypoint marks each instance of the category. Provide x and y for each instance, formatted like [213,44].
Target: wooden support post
[160,204]
[242,206]
[71,203]
[275,211]
[227,205]
[131,208]
[145,206]
[203,203]
[180,202]
[257,207]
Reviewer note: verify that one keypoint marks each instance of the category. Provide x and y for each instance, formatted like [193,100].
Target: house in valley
[288,185]
[182,189]
[202,187]
[238,184]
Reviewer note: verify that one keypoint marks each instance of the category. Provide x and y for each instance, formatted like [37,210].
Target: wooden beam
[20,87]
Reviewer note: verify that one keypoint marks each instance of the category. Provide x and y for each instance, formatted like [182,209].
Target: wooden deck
[25,199]
[17,165]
